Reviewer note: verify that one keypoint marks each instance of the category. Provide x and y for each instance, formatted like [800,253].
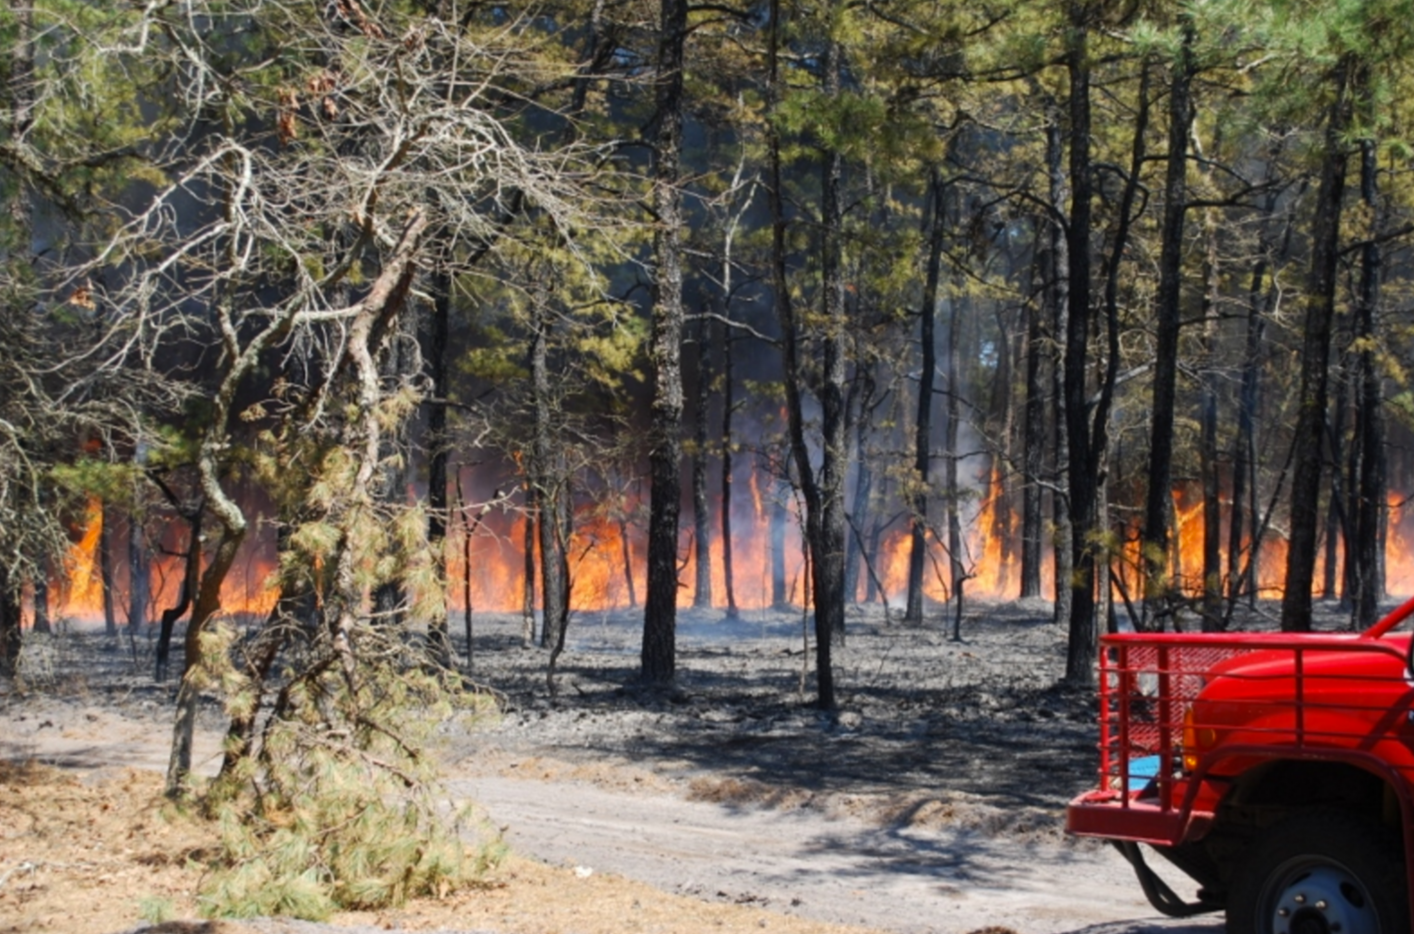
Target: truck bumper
[1110,815]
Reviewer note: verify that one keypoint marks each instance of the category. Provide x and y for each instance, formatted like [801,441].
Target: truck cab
[1274,769]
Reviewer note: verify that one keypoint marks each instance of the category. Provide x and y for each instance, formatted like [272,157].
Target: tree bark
[547,481]
[105,569]
[701,516]
[861,510]
[827,552]
[437,442]
[659,654]
[923,423]
[1158,501]
[952,489]
[11,637]
[823,495]
[1033,422]
[1212,620]
[41,600]
[1315,353]
[728,407]
[778,518]
[1083,463]
[139,590]
[1057,298]
[1365,559]
[191,576]
[527,603]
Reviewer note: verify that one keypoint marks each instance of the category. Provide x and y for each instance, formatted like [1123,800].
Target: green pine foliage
[340,807]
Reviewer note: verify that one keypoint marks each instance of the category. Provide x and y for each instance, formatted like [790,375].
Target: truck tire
[1321,872]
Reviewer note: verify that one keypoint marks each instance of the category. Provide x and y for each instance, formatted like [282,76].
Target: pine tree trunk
[1315,354]
[548,483]
[105,569]
[923,424]
[777,520]
[11,638]
[701,517]
[728,405]
[626,552]
[952,488]
[1158,502]
[208,603]
[659,654]
[860,515]
[823,495]
[1243,514]
[19,99]
[435,352]
[527,592]
[191,576]
[138,574]
[41,601]
[1033,425]
[827,554]
[1369,508]
[1208,445]
[1335,504]
[1057,297]
[1083,462]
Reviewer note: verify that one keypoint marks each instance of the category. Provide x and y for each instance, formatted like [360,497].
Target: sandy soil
[932,802]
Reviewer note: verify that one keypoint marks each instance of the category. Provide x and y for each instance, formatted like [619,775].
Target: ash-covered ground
[927,728]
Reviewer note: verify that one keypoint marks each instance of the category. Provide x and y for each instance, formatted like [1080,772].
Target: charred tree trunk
[191,575]
[923,423]
[1366,555]
[294,612]
[1334,534]
[776,536]
[105,569]
[701,518]
[438,449]
[1315,354]
[1241,575]
[1087,430]
[1245,549]
[728,408]
[627,555]
[19,102]
[1033,422]
[1057,298]
[527,603]
[138,574]
[11,638]
[1158,502]
[659,654]
[860,514]
[1208,446]
[1083,466]
[952,489]
[41,600]
[546,479]
[827,549]
[823,494]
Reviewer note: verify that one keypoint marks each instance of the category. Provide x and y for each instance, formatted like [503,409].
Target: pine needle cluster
[339,806]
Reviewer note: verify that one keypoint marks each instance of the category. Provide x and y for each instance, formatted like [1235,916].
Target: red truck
[1274,769]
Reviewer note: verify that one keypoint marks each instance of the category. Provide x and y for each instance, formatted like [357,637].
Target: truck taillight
[1196,740]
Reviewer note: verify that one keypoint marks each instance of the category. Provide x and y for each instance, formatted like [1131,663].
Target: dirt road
[906,879]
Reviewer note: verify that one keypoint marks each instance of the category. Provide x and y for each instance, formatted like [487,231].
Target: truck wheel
[1320,872]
